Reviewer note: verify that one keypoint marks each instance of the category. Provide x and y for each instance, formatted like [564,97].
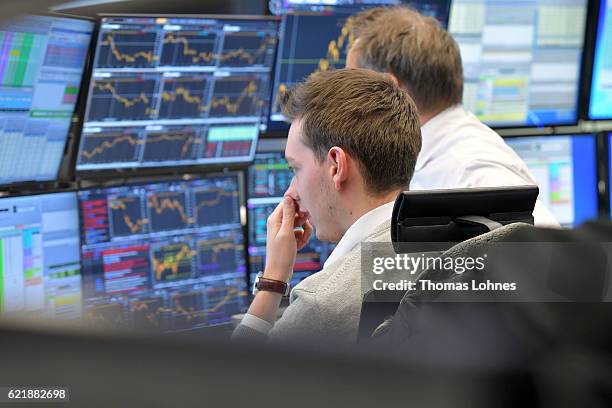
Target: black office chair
[434,221]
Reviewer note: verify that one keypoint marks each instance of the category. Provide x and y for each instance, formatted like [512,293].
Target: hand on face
[283,240]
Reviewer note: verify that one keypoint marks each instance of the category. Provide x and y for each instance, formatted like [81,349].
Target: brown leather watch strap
[272,285]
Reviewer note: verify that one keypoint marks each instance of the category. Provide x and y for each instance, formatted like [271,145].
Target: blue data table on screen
[42,60]
[565,168]
[40,269]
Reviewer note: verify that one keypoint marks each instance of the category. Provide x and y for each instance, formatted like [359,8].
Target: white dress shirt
[459,151]
[351,238]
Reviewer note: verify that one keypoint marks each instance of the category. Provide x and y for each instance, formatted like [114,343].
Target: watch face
[254,290]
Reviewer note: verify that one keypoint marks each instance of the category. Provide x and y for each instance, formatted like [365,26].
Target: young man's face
[311,185]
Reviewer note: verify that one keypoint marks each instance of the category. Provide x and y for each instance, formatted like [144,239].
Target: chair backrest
[378,305]
[435,218]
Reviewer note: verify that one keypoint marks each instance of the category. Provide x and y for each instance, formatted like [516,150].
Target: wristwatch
[270,285]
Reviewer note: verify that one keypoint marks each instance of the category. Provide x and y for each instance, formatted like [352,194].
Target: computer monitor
[521,60]
[269,178]
[565,168]
[41,66]
[438,9]
[610,171]
[166,256]
[600,106]
[311,42]
[40,269]
[173,91]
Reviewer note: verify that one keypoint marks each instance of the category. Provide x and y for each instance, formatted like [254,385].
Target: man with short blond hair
[352,145]
[458,150]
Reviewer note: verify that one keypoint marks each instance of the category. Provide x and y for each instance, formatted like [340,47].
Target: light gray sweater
[326,305]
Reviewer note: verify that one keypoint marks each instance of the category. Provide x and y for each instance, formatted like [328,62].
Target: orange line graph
[172,261]
[196,57]
[126,102]
[232,107]
[159,205]
[229,295]
[188,313]
[344,41]
[109,145]
[119,56]
[187,50]
[97,317]
[183,93]
[151,316]
[120,204]
[248,57]
[215,201]
[334,48]
[188,138]
[215,246]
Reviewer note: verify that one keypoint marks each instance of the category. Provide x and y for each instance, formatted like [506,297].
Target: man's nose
[292,190]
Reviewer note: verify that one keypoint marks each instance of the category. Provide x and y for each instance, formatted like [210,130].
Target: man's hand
[283,240]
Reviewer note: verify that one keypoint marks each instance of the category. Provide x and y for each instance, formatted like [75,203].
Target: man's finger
[305,236]
[288,213]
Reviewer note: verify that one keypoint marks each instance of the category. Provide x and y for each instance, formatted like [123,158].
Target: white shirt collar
[360,230]
[432,132]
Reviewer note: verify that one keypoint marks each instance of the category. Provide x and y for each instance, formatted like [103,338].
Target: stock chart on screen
[40,270]
[565,168]
[41,67]
[312,42]
[600,106]
[269,178]
[521,59]
[177,91]
[164,256]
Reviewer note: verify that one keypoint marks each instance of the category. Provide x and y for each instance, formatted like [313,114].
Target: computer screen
[269,178]
[40,269]
[600,106]
[164,256]
[41,66]
[565,168]
[438,9]
[312,42]
[177,91]
[521,59]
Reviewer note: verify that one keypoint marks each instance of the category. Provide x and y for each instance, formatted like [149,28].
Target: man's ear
[338,166]
[394,79]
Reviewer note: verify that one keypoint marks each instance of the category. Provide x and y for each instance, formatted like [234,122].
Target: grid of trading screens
[521,59]
[269,178]
[40,269]
[41,66]
[312,42]
[600,106]
[177,91]
[166,256]
[565,168]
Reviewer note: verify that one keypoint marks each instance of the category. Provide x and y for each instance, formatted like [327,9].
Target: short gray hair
[416,49]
